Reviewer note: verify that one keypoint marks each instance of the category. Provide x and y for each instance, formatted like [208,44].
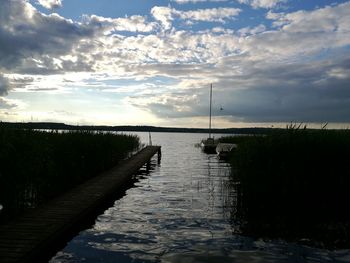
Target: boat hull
[209,148]
[209,145]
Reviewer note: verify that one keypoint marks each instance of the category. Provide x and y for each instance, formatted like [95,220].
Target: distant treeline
[62,126]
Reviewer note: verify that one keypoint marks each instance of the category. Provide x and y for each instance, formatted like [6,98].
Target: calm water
[180,211]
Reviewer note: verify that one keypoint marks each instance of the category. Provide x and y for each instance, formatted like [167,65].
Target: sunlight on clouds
[252,31]
[173,102]
[262,3]
[50,4]
[222,30]
[34,83]
[196,1]
[339,73]
[163,14]
[131,116]
[6,103]
[49,116]
[140,89]
[167,14]
[328,19]
[259,71]
[210,15]
[133,23]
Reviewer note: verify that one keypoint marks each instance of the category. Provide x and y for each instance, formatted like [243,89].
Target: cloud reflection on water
[181,212]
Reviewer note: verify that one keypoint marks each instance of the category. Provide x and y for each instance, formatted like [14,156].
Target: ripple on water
[181,212]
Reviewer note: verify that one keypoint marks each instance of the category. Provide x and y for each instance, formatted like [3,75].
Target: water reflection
[183,211]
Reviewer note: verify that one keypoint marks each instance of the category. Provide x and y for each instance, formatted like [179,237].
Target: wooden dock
[38,234]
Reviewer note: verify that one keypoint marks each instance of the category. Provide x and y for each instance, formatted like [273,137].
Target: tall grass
[236,139]
[36,165]
[296,183]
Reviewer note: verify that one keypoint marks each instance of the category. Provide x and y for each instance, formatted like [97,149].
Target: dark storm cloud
[314,91]
[29,38]
[308,92]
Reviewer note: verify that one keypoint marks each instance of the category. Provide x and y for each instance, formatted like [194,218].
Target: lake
[181,210]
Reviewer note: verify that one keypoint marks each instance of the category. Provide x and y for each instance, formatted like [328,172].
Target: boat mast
[211,93]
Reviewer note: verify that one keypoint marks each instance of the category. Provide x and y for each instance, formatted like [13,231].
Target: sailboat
[209,145]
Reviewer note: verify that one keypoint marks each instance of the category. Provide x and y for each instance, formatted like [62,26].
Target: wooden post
[148,166]
[159,155]
[211,95]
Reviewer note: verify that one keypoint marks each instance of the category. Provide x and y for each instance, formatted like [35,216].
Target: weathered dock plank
[37,234]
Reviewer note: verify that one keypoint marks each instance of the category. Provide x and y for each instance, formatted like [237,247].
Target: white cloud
[30,44]
[60,45]
[163,14]
[252,31]
[262,3]
[266,75]
[168,104]
[133,23]
[339,73]
[196,1]
[302,34]
[258,73]
[222,30]
[50,4]
[8,104]
[166,15]
[328,19]
[210,15]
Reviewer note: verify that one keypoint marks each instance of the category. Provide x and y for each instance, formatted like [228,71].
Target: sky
[144,62]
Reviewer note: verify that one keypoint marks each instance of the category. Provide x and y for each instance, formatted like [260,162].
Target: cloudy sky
[144,62]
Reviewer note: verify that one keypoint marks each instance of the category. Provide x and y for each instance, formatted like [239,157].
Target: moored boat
[209,145]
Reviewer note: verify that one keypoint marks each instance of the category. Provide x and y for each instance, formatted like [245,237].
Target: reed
[237,139]
[295,183]
[37,165]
